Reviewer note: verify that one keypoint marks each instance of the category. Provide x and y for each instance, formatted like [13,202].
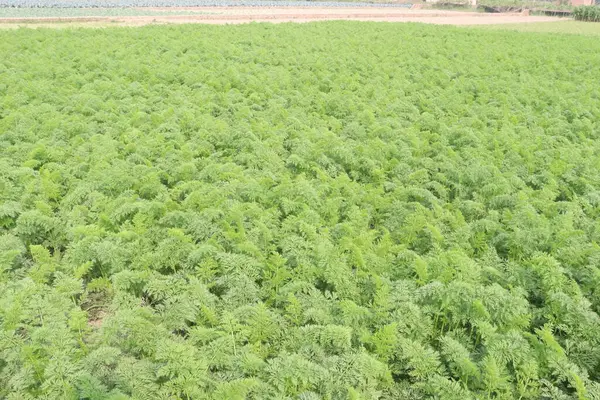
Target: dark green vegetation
[334,210]
[587,13]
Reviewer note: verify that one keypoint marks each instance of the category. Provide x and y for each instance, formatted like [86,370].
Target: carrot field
[335,210]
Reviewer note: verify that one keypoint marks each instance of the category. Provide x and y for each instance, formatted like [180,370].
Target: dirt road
[237,15]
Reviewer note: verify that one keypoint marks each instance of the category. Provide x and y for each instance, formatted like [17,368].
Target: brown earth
[238,15]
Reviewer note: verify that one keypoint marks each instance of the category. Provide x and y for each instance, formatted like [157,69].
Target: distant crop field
[333,210]
[192,3]
[90,12]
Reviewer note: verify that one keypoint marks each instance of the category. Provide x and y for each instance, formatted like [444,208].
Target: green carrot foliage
[315,211]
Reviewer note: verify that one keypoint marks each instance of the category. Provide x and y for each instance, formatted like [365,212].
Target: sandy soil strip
[237,15]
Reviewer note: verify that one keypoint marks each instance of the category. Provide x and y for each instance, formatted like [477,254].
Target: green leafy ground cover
[336,210]
[565,26]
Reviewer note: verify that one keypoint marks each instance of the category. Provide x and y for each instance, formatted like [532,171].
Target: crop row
[93,12]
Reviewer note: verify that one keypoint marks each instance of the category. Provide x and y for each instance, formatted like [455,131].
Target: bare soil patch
[238,15]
